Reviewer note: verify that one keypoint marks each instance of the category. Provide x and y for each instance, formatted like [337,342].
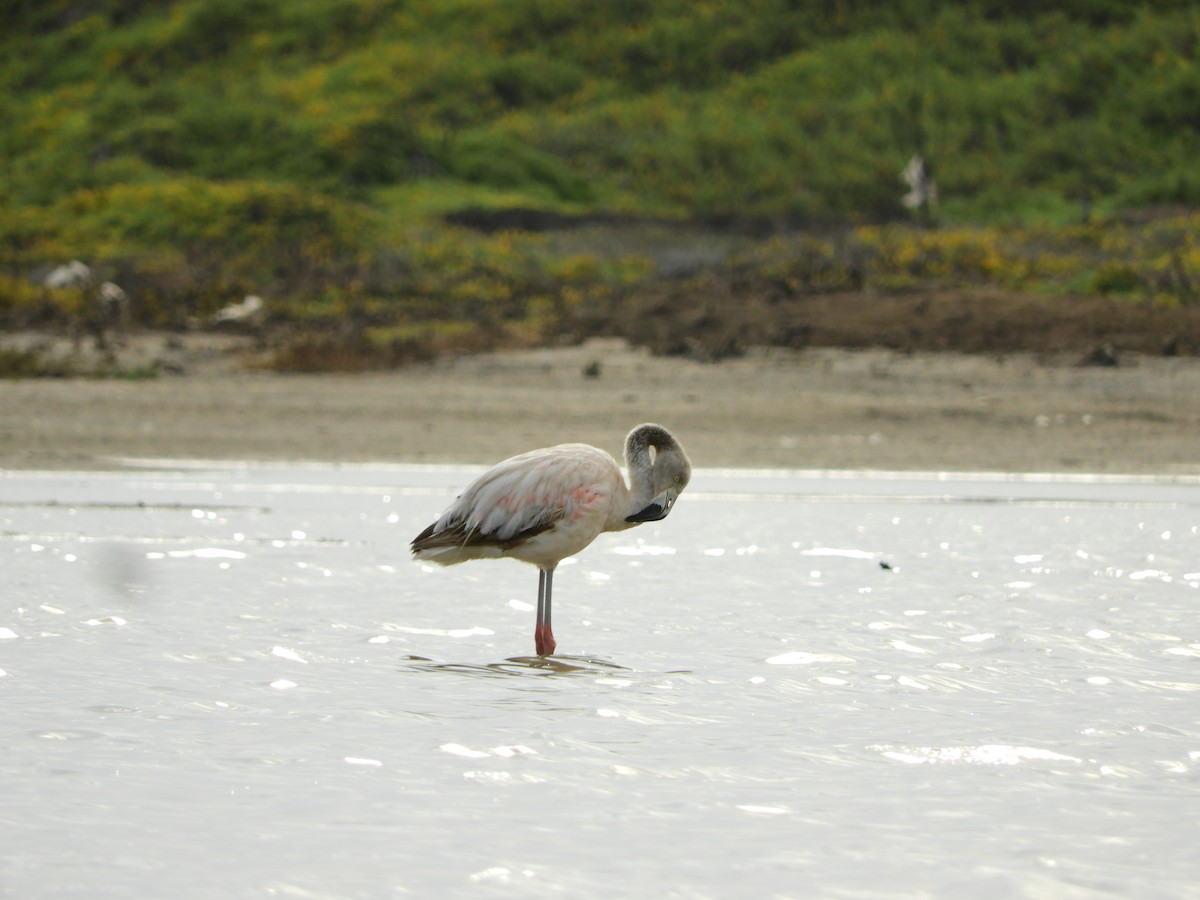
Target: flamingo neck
[639,459]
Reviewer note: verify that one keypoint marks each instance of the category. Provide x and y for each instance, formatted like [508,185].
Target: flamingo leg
[543,637]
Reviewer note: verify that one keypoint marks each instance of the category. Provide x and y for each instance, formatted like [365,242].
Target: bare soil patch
[813,408]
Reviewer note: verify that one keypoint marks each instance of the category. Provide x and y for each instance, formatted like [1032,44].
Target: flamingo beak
[657,508]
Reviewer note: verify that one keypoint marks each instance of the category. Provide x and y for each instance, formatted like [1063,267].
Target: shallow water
[231,681]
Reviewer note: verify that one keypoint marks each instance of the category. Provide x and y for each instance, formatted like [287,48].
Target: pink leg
[543,637]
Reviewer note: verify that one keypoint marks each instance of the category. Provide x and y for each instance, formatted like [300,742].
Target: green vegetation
[307,150]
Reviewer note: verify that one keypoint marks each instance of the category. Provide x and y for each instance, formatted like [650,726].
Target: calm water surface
[231,681]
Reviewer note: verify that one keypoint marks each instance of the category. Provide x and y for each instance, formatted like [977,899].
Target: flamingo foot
[543,639]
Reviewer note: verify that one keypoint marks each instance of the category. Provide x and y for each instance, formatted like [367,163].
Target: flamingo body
[545,505]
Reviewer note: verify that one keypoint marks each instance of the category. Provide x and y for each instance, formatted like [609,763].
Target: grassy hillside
[306,149]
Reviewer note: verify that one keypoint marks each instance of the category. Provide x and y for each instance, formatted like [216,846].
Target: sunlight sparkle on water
[762,682]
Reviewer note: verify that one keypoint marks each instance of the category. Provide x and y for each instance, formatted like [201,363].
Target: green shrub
[501,162]
[378,150]
[1116,277]
[527,79]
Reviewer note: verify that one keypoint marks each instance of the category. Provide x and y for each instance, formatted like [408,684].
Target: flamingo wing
[516,500]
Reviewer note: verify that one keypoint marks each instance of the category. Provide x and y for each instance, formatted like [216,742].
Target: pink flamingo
[545,505]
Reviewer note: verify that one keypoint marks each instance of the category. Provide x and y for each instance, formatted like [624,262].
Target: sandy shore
[816,408]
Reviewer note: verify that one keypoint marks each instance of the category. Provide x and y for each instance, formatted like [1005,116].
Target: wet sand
[816,408]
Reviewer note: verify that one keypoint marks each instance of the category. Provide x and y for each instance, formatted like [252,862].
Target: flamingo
[545,505]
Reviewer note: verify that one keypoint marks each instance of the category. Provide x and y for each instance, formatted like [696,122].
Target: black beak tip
[651,513]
